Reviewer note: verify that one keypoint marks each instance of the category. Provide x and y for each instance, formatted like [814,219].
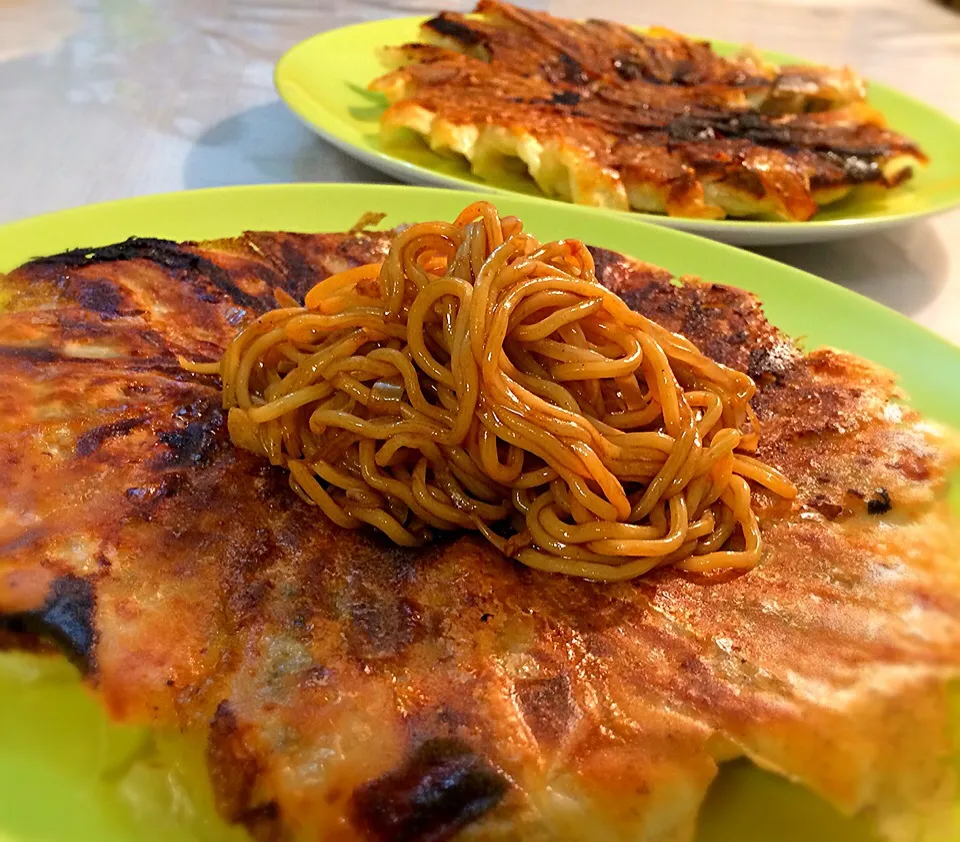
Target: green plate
[68,775]
[324,81]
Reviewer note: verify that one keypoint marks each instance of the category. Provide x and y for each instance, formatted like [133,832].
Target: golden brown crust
[353,690]
[601,114]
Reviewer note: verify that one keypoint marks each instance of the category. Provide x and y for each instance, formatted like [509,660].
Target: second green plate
[324,81]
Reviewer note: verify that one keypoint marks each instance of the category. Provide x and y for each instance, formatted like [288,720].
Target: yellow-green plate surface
[67,775]
[324,81]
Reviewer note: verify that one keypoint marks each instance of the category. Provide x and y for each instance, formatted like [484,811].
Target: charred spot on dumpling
[566,98]
[100,296]
[627,68]
[195,442]
[67,617]
[92,440]
[32,355]
[450,28]
[690,129]
[565,68]
[441,788]
[879,502]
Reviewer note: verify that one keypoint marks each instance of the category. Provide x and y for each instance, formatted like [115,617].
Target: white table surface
[104,99]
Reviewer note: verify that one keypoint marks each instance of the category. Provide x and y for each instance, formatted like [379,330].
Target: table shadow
[905,270]
[268,145]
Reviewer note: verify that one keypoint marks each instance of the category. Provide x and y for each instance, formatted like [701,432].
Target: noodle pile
[479,380]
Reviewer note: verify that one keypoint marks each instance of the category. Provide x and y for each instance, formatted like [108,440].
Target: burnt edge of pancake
[66,618]
[440,788]
[443,24]
[234,771]
[165,253]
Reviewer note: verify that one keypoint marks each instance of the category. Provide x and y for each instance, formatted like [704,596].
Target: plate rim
[731,230]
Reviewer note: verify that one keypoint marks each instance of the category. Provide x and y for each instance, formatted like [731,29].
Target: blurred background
[103,99]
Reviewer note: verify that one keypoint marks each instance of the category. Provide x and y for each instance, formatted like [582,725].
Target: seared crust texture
[351,690]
